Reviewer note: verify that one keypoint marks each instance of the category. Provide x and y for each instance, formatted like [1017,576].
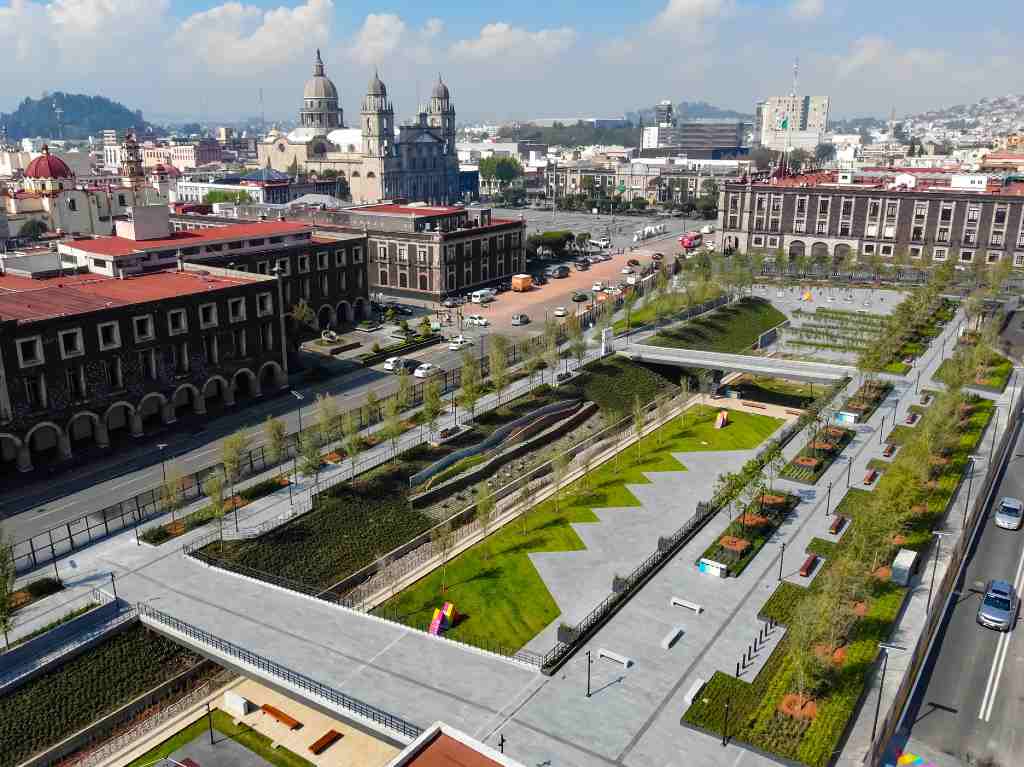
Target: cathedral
[379,160]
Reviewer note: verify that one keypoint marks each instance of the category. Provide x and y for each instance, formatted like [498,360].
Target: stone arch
[216,390]
[122,416]
[187,395]
[371,174]
[355,174]
[47,439]
[87,425]
[13,453]
[325,317]
[362,309]
[344,313]
[797,248]
[245,384]
[841,252]
[271,376]
[819,252]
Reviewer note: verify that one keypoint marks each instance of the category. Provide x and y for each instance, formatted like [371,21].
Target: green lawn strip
[494,583]
[614,384]
[733,328]
[671,305]
[879,464]
[753,717]
[68,616]
[48,708]
[806,474]
[900,434]
[897,368]
[758,536]
[822,548]
[775,391]
[259,744]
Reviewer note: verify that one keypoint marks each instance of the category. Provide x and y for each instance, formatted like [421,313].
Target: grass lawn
[776,391]
[252,740]
[494,583]
[734,328]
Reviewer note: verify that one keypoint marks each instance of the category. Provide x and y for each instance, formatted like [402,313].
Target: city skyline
[535,61]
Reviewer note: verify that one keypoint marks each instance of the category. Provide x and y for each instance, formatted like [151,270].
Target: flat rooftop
[28,300]
[121,246]
[417,211]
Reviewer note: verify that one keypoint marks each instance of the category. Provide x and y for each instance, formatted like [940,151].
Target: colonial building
[423,252]
[416,161]
[87,360]
[182,155]
[832,217]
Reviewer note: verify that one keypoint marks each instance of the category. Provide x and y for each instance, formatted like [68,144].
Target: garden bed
[993,376]
[867,399]
[733,328]
[749,532]
[66,618]
[809,464]
[33,592]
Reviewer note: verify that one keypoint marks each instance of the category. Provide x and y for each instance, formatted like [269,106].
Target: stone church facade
[379,160]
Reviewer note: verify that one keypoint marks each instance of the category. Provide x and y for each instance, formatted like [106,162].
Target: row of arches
[343,314]
[54,441]
[820,251]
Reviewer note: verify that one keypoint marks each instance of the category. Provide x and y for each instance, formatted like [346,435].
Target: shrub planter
[619,584]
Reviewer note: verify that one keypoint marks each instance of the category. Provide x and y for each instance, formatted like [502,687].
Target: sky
[203,59]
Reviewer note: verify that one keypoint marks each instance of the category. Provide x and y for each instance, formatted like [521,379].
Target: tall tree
[497,357]
[471,389]
[638,423]
[328,418]
[350,439]
[213,488]
[559,465]
[310,459]
[171,496]
[432,405]
[577,340]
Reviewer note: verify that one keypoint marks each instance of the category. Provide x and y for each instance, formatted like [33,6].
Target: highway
[970,701]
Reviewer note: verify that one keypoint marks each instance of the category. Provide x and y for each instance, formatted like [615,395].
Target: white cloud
[504,40]
[378,38]
[807,10]
[694,14]
[432,28]
[879,56]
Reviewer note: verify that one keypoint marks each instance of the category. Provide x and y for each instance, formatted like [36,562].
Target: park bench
[755,405]
[793,412]
[671,637]
[837,525]
[808,566]
[328,739]
[870,476]
[889,450]
[911,417]
[679,602]
[626,662]
[288,721]
[694,690]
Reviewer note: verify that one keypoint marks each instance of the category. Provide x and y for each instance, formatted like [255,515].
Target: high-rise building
[791,122]
[663,114]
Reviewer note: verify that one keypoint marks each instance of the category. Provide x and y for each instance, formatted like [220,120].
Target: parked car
[391,363]
[582,265]
[458,343]
[626,270]
[520,319]
[451,303]
[560,311]
[426,370]
[1008,513]
[401,365]
[998,608]
[632,262]
[658,256]
[597,287]
[540,279]
[477,319]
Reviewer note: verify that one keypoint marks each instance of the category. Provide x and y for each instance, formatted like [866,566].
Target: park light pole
[884,647]
[590,662]
[782,556]
[163,463]
[828,499]
[939,535]
[299,397]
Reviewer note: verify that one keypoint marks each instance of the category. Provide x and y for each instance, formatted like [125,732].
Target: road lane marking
[999,659]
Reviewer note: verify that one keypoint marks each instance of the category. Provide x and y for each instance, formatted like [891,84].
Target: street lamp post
[725,728]
[995,428]
[589,664]
[884,647]
[299,397]
[782,556]
[939,535]
[163,463]
[828,499]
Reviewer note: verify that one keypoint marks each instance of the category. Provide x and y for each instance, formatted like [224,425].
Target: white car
[627,270]
[561,312]
[425,370]
[597,287]
[391,363]
[458,343]
[1009,513]
[477,319]
[602,242]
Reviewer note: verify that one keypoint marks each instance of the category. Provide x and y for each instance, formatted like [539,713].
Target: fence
[352,705]
[888,726]
[68,537]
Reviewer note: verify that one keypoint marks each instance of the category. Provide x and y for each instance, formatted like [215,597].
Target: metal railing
[352,705]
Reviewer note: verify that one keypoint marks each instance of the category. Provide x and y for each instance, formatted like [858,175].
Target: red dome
[47,165]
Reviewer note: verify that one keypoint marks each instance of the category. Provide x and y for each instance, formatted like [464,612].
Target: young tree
[661,411]
[7,578]
[559,465]
[392,429]
[309,456]
[213,488]
[802,634]
[403,397]
[442,538]
[232,450]
[485,513]
[705,379]
[275,434]
[638,423]
[372,408]
[523,499]
[534,361]
[472,388]
[350,439]
[684,395]
[497,356]
[328,418]
[170,490]
[552,355]
[432,405]
[577,341]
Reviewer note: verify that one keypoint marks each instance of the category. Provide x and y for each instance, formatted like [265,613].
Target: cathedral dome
[47,165]
[319,86]
[440,89]
[376,86]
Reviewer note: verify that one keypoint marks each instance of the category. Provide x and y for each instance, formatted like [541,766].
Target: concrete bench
[837,525]
[288,721]
[671,637]
[871,476]
[694,691]
[626,662]
[808,566]
[679,602]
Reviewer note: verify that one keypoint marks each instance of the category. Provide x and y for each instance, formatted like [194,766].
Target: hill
[81,117]
[692,110]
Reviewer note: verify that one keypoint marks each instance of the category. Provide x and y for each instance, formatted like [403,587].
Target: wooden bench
[793,412]
[889,450]
[911,417]
[870,477]
[808,566]
[679,602]
[755,405]
[837,525]
[328,739]
[288,721]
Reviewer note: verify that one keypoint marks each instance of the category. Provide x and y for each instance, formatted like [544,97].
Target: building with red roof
[443,746]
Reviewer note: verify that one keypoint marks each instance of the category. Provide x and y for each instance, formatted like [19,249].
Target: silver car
[998,609]
[1009,513]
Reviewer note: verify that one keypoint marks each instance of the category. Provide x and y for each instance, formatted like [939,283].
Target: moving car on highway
[998,608]
[426,370]
[1008,513]
[458,343]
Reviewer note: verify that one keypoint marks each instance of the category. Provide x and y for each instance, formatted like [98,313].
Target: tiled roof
[120,246]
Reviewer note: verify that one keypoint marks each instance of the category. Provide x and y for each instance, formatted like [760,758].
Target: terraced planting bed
[758,713]
[751,530]
[732,329]
[814,459]
[992,376]
[51,707]
[495,586]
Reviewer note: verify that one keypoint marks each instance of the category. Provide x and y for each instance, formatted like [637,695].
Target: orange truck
[522,282]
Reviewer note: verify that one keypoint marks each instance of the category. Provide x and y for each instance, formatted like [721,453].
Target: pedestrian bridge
[798,370]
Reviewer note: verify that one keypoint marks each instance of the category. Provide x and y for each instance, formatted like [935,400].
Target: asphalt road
[970,702]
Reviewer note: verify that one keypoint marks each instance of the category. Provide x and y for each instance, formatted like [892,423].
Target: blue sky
[204,58]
